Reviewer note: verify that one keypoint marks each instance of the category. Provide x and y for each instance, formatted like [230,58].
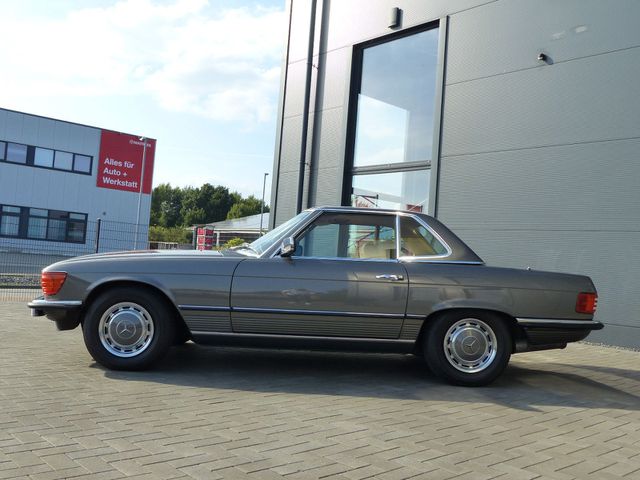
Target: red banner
[120,163]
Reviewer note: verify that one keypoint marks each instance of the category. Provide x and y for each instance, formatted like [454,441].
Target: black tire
[181,336]
[128,328]
[467,347]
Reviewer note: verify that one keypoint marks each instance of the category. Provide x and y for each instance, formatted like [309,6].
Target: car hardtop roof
[365,210]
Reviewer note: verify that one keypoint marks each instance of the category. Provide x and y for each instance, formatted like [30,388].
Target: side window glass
[418,241]
[348,235]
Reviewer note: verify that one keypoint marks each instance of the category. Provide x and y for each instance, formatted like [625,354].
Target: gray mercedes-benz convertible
[336,278]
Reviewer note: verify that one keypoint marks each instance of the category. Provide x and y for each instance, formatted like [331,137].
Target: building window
[392,120]
[16,153]
[37,223]
[63,161]
[395,190]
[82,163]
[9,221]
[42,224]
[45,158]
[76,227]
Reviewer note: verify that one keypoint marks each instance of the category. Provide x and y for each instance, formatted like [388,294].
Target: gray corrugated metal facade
[535,162]
[25,186]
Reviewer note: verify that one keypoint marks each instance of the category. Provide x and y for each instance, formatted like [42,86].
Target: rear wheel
[127,329]
[467,347]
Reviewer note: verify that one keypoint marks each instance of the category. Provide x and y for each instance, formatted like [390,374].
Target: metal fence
[22,259]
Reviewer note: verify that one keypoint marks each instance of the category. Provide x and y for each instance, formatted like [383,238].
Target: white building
[57,179]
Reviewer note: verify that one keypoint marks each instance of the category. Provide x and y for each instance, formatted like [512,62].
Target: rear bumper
[66,313]
[560,324]
[543,334]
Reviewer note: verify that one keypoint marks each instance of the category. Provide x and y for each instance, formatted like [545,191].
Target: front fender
[141,279]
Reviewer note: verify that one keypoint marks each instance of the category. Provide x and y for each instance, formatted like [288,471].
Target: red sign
[120,163]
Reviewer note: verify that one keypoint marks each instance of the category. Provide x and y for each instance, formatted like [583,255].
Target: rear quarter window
[418,241]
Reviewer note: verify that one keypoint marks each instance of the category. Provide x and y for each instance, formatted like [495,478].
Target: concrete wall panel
[573,187]
[291,141]
[326,187]
[585,100]
[355,21]
[329,152]
[287,192]
[507,36]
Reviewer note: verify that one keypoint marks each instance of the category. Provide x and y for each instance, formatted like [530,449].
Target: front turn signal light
[587,303]
[52,282]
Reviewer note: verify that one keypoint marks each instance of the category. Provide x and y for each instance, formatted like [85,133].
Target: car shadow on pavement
[522,386]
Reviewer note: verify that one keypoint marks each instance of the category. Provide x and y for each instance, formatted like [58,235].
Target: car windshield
[263,243]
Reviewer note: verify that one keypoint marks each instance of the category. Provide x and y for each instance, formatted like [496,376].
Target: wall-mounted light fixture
[395,19]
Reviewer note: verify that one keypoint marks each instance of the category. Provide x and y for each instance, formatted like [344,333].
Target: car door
[344,280]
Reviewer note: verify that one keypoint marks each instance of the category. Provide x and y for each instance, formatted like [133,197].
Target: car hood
[148,261]
[139,254]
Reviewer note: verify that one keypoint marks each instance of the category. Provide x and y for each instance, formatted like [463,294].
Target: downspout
[276,177]
[305,110]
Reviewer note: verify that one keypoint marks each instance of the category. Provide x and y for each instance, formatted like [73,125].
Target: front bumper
[66,313]
[543,333]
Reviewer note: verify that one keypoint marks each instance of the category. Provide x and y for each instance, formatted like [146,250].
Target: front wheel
[127,329]
[468,348]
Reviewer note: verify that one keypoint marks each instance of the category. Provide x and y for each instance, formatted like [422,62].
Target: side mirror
[288,247]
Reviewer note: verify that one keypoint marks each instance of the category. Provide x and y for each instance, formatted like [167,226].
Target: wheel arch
[517,333]
[98,289]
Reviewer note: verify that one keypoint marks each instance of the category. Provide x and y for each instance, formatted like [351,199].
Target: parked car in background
[336,278]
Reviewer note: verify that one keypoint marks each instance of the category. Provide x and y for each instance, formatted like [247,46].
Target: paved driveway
[221,413]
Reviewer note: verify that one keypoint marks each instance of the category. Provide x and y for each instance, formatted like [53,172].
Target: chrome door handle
[387,276]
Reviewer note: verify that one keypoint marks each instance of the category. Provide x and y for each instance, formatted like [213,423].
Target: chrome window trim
[399,258]
[433,232]
[444,262]
[349,259]
[398,239]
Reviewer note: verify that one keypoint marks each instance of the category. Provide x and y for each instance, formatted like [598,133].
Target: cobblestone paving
[209,413]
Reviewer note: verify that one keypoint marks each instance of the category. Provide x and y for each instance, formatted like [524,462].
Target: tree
[245,207]
[176,207]
[205,204]
[166,206]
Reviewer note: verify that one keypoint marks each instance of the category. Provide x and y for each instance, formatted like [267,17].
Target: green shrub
[234,242]
[169,234]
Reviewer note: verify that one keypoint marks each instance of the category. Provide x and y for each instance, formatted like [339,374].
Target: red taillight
[52,282]
[587,303]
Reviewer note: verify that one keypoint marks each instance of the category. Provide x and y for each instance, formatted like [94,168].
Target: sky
[200,76]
